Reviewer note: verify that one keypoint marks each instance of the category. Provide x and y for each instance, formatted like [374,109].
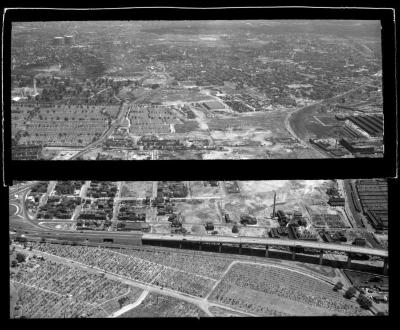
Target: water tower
[69,40]
[58,41]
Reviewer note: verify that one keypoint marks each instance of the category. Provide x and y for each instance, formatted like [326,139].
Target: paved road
[131,306]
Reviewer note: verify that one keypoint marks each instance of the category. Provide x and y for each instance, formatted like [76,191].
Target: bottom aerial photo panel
[128,249]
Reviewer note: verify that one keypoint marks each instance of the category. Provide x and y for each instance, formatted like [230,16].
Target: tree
[364,301]
[121,301]
[14,263]
[209,225]
[235,229]
[20,257]
[350,293]
[338,286]
[42,240]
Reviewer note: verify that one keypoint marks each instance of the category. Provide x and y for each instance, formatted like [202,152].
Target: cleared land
[199,211]
[203,189]
[137,189]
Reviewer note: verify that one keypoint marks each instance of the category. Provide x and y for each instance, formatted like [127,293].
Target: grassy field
[307,124]
[323,270]
[187,126]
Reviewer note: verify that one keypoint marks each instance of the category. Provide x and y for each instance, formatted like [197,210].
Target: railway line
[24,225]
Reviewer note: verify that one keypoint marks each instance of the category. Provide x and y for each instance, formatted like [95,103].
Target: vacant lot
[199,211]
[59,226]
[203,189]
[137,189]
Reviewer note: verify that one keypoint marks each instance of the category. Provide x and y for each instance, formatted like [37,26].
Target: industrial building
[358,147]
[336,201]
[370,126]
[373,195]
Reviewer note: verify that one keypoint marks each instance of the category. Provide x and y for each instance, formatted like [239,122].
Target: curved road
[305,143]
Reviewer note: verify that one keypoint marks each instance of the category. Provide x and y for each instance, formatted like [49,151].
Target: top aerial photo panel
[221,89]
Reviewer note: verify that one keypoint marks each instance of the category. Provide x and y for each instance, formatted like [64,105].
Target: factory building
[357,147]
[355,129]
[367,126]
[371,125]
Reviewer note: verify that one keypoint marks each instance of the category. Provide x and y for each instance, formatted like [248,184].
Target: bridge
[350,250]
[268,241]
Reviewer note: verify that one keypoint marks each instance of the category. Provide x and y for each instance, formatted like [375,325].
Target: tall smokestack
[273,210]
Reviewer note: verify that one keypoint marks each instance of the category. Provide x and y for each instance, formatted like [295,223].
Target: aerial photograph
[196,249]
[196,89]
